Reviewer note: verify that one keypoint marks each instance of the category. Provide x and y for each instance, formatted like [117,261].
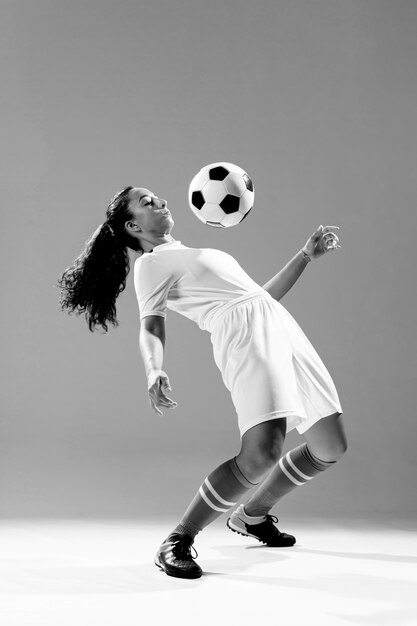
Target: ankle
[186,528]
[254,512]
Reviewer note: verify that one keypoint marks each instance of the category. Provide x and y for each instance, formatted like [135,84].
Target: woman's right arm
[151,344]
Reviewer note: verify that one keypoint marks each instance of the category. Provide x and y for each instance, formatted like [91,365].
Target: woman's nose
[164,203]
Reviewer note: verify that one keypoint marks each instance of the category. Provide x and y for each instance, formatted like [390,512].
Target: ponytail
[92,284]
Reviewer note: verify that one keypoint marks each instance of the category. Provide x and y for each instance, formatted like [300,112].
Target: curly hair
[92,284]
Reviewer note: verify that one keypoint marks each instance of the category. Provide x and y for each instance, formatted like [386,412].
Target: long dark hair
[92,284]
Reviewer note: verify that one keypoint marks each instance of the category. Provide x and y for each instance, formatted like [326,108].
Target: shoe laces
[270,519]
[182,548]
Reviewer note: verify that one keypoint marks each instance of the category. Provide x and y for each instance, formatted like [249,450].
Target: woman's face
[149,211]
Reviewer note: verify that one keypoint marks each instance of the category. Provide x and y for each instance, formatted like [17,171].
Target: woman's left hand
[321,241]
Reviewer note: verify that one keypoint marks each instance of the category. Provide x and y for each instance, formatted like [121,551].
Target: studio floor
[77,572]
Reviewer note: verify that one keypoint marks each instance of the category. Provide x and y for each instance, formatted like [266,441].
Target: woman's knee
[339,449]
[261,448]
[332,452]
[255,466]
[326,439]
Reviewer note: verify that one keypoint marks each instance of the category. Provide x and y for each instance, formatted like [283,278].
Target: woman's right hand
[158,383]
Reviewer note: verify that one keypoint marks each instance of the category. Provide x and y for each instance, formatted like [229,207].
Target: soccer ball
[221,195]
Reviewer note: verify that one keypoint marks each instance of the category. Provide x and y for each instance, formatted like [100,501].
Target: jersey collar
[166,245]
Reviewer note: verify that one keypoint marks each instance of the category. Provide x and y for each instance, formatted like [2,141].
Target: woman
[276,378]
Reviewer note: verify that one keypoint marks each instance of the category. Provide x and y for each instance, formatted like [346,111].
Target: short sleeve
[152,283]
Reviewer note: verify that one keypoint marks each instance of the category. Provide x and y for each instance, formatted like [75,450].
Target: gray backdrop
[317,101]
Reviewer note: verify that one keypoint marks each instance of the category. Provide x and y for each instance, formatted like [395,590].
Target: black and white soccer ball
[221,194]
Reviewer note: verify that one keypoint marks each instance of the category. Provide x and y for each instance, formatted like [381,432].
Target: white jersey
[194,282]
[266,361]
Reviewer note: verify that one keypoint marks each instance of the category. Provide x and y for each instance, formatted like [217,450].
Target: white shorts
[269,365]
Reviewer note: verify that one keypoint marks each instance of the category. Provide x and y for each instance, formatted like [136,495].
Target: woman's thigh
[327,439]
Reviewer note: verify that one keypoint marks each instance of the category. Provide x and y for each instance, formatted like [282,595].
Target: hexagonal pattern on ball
[246,202]
[232,219]
[221,194]
[212,213]
[235,184]
[214,191]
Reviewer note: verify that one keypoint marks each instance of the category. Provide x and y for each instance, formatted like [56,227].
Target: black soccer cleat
[175,559]
[265,532]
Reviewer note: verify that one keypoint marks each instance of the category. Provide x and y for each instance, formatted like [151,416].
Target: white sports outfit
[265,359]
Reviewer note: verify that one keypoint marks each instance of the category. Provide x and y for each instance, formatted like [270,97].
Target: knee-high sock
[219,492]
[294,469]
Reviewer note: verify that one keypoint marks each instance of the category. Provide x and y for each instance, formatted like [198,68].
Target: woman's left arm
[321,241]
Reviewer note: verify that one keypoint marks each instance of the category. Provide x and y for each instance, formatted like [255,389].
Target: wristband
[305,255]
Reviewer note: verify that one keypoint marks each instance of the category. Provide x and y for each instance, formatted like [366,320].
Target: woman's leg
[261,448]
[327,439]
[325,444]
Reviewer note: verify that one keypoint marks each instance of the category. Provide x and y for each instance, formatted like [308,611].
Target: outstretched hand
[321,241]
[158,384]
